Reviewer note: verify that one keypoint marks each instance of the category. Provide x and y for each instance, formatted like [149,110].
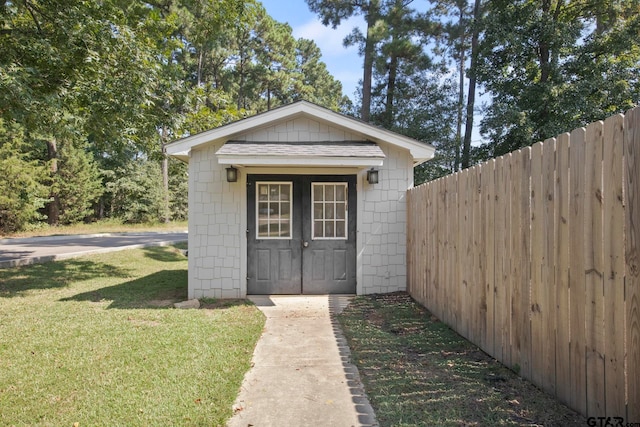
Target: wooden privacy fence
[535,257]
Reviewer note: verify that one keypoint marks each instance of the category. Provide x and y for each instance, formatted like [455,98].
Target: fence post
[632,258]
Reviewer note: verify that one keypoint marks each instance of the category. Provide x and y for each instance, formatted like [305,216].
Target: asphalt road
[32,250]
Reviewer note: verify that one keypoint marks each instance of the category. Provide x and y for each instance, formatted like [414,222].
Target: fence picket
[525,257]
[488,182]
[576,271]
[478,299]
[500,254]
[613,258]
[563,370]
[537,285]
[548,307]
[594,308]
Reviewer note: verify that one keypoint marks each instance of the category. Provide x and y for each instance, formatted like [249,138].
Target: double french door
[301,236]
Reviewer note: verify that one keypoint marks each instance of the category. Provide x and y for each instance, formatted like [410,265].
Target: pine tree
[22,193]
[78,183]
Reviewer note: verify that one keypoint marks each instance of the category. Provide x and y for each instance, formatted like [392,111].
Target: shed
[298,200]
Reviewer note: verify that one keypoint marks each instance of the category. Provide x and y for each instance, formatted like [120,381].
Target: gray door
[301,234]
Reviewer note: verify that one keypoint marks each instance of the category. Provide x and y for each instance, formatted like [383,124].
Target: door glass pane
[263,193]
[263,227]
[274,210]
[284,192]
[328,193]
[329,210]
[285,229]
[329,229]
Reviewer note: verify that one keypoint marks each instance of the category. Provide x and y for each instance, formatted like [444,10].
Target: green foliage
[135,192]
[554,66]
[315,83]
[78,183]
[22,193]
[178,190]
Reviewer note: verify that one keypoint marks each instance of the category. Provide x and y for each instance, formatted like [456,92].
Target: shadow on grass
[157,290]
[164,253]
[16,281]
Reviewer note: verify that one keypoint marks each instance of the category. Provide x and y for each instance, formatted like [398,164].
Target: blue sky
[343,63]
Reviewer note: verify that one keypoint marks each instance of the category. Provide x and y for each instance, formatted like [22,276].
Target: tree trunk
[391,88]
[53,208]
[372,15]
[471,98]
[200,59]
[460,93]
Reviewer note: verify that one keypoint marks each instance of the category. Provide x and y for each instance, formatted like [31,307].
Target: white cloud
[328,39]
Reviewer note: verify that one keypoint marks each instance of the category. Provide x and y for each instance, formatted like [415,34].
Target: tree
[78,183]
[400,56]
[333,12]
[136,192]
[555,65]
[178,190]
[22,193]
[471,97]
[76,71]
[454,22]
[313,82]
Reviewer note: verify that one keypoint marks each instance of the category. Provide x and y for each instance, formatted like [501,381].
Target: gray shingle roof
[320,149]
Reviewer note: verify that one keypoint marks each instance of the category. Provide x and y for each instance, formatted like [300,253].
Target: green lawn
[95,341]
[104,226]
[418,372]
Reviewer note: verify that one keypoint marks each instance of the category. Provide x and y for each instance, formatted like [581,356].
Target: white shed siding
[299,130]
[382,226]
[214,229]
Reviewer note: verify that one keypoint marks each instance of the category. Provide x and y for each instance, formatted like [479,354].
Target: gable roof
[420,151]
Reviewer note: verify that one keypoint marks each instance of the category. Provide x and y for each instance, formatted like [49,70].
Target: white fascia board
[290,161]
[417,149]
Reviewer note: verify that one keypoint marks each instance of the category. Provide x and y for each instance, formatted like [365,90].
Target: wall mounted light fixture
[232,174]
[372,176]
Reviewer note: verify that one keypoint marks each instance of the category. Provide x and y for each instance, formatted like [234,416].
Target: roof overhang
[180,149]
[306,154]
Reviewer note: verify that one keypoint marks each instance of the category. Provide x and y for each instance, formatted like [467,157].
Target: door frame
[299,194]
[361,188]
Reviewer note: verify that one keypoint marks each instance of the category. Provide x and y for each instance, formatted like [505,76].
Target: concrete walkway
[302,374]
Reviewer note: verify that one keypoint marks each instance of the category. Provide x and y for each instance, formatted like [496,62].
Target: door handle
[305,244]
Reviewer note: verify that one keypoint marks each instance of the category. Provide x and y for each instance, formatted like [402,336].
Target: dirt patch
[213,304]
